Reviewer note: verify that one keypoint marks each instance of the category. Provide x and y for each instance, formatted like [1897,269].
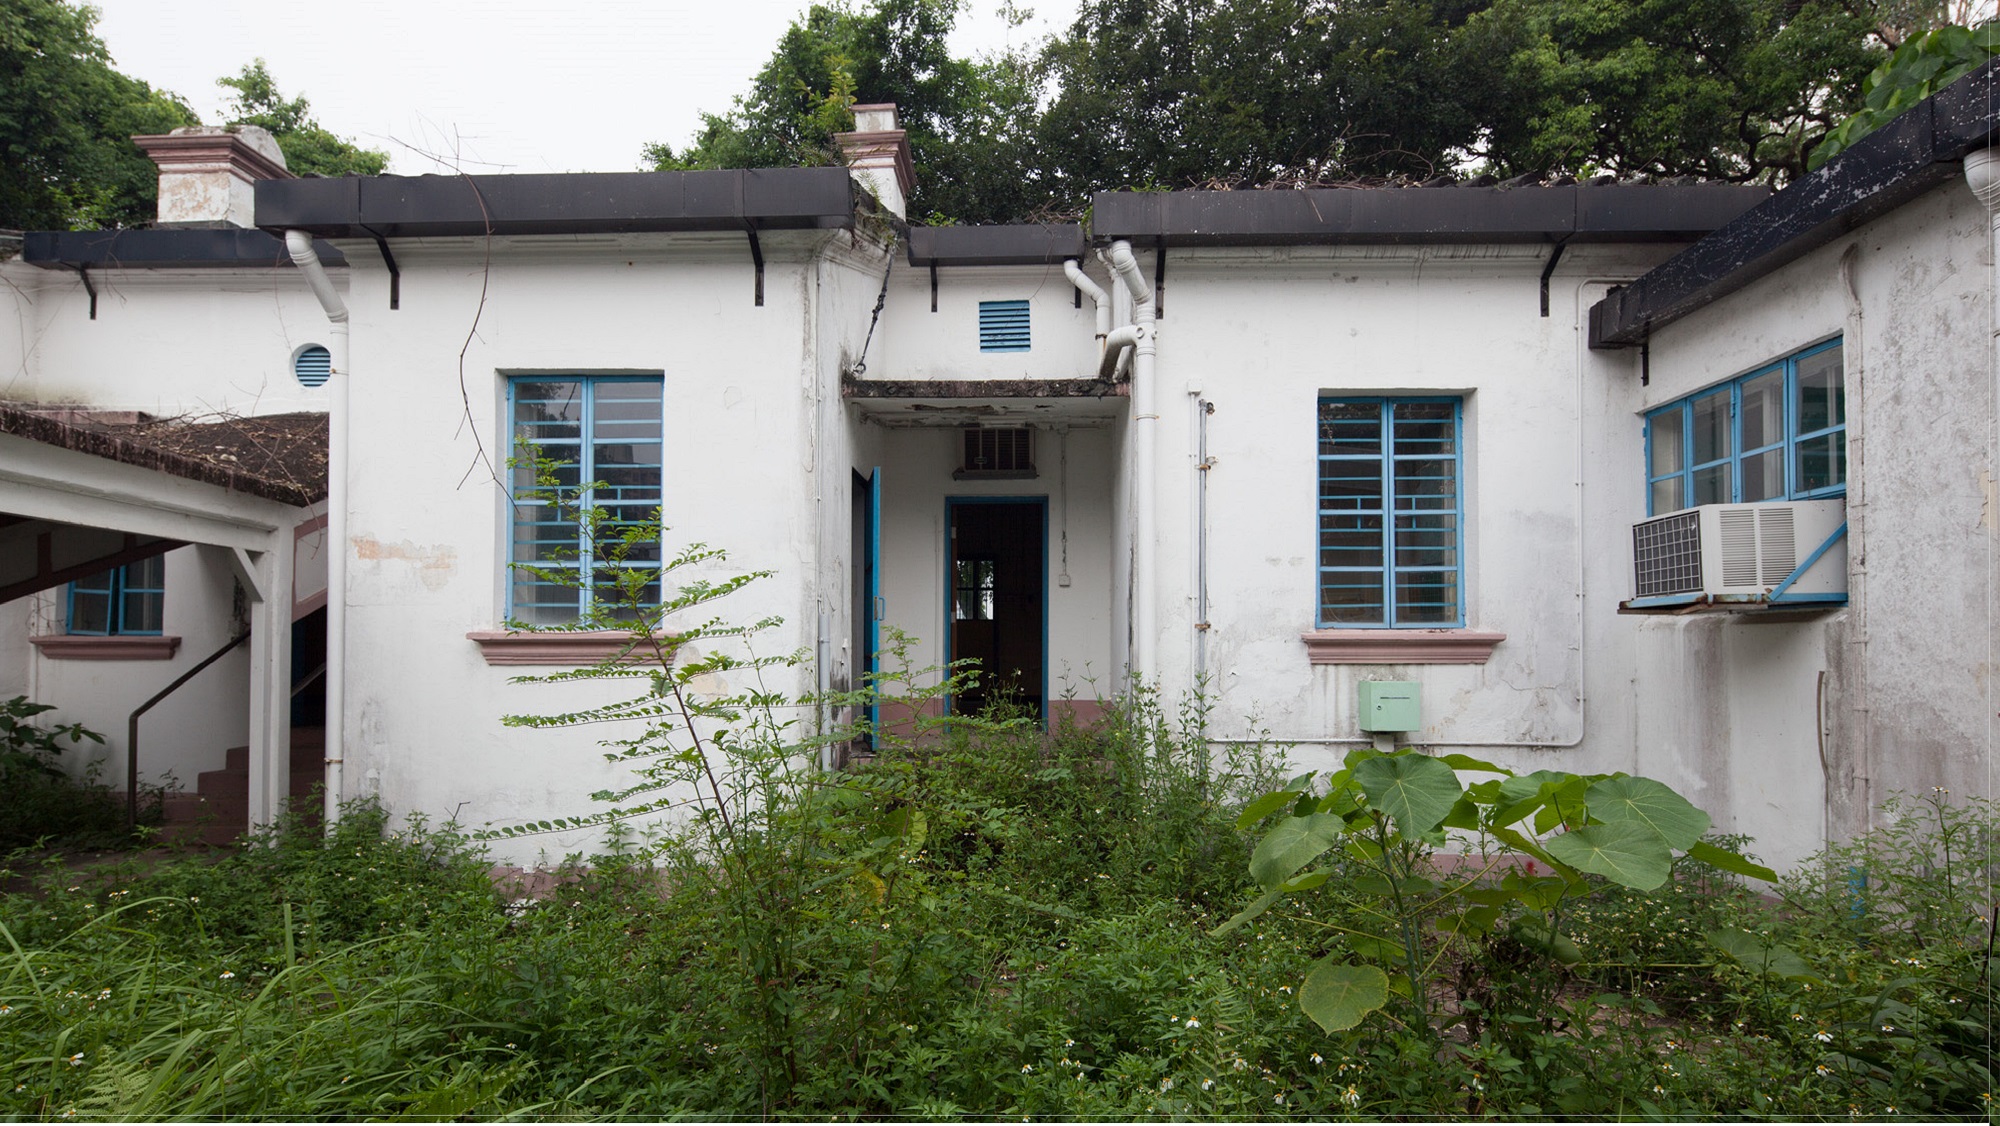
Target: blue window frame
[602,434]
[1391,513]
[1778,433]
[128,601]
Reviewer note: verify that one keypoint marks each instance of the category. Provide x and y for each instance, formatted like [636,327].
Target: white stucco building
[1273,444]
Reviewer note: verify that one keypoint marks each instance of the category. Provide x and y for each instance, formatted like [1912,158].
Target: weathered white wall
[170,342]
[915,343]
[429,526]
[1263,335]
[187,732]
[1893,692]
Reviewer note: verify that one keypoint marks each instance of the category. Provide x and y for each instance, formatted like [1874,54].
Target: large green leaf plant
[1378,838]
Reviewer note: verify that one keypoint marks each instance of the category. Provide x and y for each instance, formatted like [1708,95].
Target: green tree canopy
[310,150]
[66,119]
[1174,93]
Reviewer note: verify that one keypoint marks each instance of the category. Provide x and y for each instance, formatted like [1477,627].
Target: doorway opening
[996,599]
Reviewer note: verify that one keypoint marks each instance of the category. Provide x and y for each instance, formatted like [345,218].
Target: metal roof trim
[160,248]
[1015,244]
[560,203]
[1553,213]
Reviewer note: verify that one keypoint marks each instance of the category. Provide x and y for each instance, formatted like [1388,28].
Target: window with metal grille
[313,366]
[1391,522]
[1003,326]
[586,492]
[998,453]
[1778,433]
[124,601]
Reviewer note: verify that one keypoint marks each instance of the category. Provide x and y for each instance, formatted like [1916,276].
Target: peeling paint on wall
[435,565]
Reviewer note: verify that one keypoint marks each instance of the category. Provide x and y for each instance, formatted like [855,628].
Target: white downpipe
[299,243]
[1099,300]
[1145,443]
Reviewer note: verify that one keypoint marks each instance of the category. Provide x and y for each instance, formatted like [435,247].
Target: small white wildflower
[1823,1036]
[1277,1098]
[76,1060]
[1318,1059]
[1066,1043]
[5,1009]
[1167,1084]
[1026,1068]
[1351,1097]
[1193,1023]
[1822,1071]
[227,974]
[1207,1083]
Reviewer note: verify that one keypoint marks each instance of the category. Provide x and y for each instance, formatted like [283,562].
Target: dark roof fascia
[1022,244]
[162,248]
[560,203]
[1909,156]
[946,389]
[1338,216]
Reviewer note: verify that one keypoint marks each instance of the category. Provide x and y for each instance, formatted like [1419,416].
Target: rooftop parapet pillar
[878,155]
[208,173]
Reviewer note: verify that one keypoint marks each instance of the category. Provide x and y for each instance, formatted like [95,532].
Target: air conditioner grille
[999,451]
[1668,554]
[1777,543]
[1739,546]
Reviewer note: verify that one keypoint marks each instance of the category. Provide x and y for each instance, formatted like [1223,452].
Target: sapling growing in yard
[1371,841]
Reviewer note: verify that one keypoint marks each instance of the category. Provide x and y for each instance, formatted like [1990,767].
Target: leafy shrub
[45,802]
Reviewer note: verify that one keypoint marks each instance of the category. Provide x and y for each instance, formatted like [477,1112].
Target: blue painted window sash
[1003,326]
[1396,468]
[634,500]
[1790,444]
[119,586]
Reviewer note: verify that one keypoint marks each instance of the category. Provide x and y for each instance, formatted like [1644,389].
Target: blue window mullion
[1388,439]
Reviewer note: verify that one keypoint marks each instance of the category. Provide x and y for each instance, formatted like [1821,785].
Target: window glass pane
[1426,597]
[1350,428]
[1668,495]
[1763,412]
[1350,485]
[1823,461]
[1764,476]
[1667,433]
[141,612]
[1424,428]
[1822,398]
[89,611]
[1350,541]
[1351,598]
[1711,485]
[147,574]
[1711,428]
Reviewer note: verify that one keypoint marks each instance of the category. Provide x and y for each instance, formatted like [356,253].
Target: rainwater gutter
[300,245]
[1145,443]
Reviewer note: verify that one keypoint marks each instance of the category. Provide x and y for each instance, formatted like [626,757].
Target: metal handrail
[132,727]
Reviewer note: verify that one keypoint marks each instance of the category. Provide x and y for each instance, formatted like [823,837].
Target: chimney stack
[206,173]
[878,156]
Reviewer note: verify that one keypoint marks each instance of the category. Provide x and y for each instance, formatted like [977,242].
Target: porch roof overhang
[909,403]
[77,499]
[1011,244]
[1918,150]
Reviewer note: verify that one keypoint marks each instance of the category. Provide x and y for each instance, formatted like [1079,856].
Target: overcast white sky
[501,85]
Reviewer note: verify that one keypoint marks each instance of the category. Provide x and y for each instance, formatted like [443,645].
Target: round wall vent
[313,365]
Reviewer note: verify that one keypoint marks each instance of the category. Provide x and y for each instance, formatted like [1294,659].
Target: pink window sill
[1400,646]
[73,647]
[585,647]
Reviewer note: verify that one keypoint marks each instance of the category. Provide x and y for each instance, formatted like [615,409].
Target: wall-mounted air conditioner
[1775,552]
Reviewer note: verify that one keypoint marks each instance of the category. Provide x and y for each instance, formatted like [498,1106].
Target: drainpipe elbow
[300,246]
[1128,271]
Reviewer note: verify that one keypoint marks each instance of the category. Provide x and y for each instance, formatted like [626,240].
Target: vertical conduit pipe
[1982,175]
[299,244]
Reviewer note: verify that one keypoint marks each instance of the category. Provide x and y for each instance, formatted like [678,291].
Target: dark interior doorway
[996,601]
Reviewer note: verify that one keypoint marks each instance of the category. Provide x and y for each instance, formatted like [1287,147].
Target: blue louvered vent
[1003,326]
[313,365]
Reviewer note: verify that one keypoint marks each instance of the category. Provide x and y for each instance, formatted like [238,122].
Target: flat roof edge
[1012,244]
[560,203]
[157,248]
